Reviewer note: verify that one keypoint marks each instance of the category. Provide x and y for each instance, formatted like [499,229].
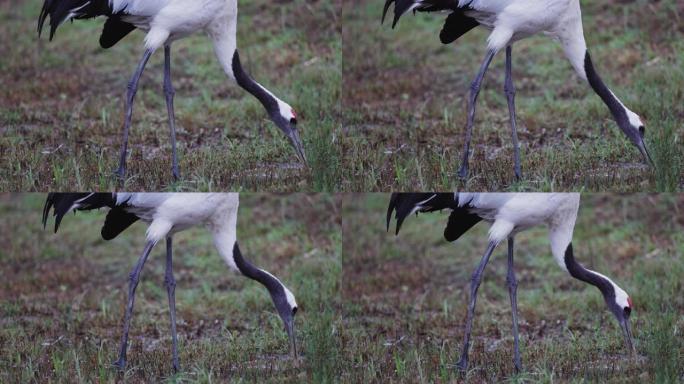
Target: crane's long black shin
[513,293]
[169,92]
[170,283]
[474,285]
[134,278]
[474,92]
[130,96]
[509,90]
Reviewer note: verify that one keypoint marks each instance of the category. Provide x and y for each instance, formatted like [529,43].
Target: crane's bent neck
[611,292]
[622,115]
[271,103]
[225,47]
[225,240]
[571,35]
[275,287]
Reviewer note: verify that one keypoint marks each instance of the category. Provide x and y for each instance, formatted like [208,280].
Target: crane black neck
[274,286]
[247,83]
[614,105]
[579,272]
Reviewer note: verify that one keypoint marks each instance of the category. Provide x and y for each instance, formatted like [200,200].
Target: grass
[62,297]
[61,105]
[405,93]
[405,297]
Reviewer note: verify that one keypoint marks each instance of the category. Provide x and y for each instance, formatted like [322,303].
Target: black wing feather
[118,219]
[460,221]
[456,25]
[114,30]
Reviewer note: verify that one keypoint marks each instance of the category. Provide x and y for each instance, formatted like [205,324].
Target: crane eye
[628,311]
[293,121]
[294,311]
[642,131]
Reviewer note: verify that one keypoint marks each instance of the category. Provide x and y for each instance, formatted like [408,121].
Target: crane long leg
[170,283]
[134,277]
[474,285]
[130,96]
[474,91]
[169,92]
[513,293]
[509,90]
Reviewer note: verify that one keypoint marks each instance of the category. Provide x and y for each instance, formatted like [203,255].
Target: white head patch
[288,295]
[286,111]
[621,297]
[634,119]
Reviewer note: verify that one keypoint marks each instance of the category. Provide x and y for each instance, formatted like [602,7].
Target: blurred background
[61,104]
[62,297]
[405,95]
[405,297]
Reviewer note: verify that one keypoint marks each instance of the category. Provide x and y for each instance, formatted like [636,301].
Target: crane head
[286,305]
[285,118]
[634,129]
[620,304]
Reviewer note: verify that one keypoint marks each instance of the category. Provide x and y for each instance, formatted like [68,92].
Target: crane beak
[296,142]
[644,152]
[627,331]
[290,328]
[289,128]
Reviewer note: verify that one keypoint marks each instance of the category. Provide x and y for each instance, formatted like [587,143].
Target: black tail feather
[400,7]
[406,203]
[460,219]
[62,203]
[456,24]
[61,10]
[391,207]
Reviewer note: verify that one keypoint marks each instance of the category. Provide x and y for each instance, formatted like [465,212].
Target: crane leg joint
[474,87]
[133,277]
[170,282]
[509,89]
[512,282]
[131,89]
[169,91]
[475,281]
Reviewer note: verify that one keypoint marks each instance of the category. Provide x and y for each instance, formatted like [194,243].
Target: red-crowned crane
[166,21]
[166,214]
[510,213]
[510,21]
